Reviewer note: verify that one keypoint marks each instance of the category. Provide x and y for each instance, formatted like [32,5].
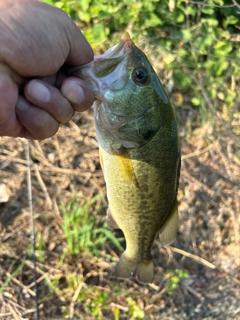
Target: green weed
[40,246]
[173,278]
[14,273]
[135,312]
[82,229]
[198,42]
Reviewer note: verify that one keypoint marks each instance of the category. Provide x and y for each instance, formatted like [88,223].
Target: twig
[13,312]
[60,170]
[39,279]
[118,306]
[236,4]
[44,188]
[194,292]
[197,153]
[10,277]
[197,182]
[192,256]
[158,296]
[59,151]
[76,294]
[204,4]
[32,293]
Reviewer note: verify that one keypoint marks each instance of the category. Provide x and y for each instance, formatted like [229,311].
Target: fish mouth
[107,69]
[119,49]
[107,62]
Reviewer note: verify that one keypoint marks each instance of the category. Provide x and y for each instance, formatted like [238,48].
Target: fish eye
[140,75]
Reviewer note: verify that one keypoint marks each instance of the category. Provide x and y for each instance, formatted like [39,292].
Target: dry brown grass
[68,164]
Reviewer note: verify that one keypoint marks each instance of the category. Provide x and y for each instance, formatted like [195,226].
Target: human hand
[36,40]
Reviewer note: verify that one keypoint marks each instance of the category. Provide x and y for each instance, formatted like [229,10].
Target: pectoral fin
[126,166]
[168,232]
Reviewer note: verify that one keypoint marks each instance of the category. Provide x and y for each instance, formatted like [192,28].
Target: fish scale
[139,152]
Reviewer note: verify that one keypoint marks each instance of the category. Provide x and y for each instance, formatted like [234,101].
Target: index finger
[80,51]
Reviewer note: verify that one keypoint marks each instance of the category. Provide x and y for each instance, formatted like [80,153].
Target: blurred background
[194,48]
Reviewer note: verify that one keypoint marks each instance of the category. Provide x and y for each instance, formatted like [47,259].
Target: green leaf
[223,48]
[175,34]
[213,93]
[186,35]
[84,16]
[153,21]
[219,45]
[219,2]
[230,20]
[207,10]
[181,79]
[189,10]
[210,21]
[222,67]
[84,4]
[95,11]
[196,101]
[179,16]
[182,53]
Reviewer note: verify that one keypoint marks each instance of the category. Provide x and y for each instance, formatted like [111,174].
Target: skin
[38,45]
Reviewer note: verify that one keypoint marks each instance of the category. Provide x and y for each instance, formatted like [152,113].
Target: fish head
[131,102]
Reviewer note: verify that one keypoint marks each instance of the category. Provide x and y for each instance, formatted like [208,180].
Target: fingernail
[38,91]
[22,104]
[73,92]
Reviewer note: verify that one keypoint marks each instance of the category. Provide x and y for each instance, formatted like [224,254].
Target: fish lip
[125,44]
[122,49]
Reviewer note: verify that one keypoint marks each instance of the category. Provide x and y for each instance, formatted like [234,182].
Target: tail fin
[141,271]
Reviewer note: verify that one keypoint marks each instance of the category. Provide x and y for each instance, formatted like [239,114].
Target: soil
[207,246]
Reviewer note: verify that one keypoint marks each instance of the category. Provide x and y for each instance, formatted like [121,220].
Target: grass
[76,252]
[81,229]
[10,277]
[173,278]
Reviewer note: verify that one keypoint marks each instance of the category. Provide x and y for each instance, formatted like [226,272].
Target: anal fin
[168,232]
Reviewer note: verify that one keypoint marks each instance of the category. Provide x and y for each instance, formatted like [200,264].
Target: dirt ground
[207,244]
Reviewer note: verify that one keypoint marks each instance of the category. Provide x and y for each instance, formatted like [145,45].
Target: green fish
[139,152]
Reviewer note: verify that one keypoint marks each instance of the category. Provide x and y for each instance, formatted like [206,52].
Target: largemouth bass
[139,152]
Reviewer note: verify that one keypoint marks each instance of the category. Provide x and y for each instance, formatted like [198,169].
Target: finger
[59,40]
[9,124]
[50,99]
[78,93]
[38,123]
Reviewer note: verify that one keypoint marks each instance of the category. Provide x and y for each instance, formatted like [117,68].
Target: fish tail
[141,271]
